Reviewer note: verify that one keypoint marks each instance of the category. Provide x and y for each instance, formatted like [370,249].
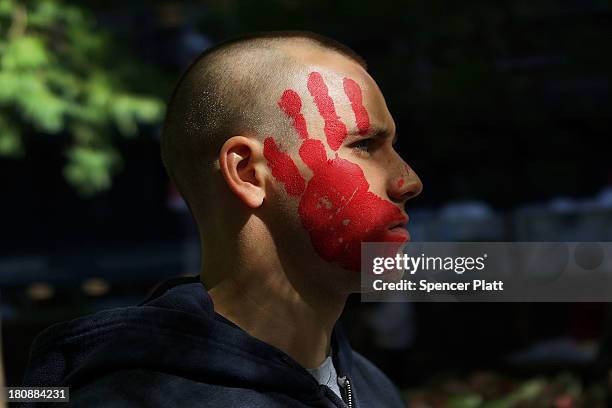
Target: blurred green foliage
[495,390]
[60,76]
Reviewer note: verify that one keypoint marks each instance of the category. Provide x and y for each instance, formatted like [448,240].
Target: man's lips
[400,222]
[398,228]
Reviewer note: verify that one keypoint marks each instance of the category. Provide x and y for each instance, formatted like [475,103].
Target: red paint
[336,207]
[400,183]
[313,153]
[353,91]
[291,103]
[335,130]
[342,184]
[283,168]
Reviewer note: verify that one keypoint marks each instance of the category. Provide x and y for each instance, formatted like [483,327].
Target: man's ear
[241,166]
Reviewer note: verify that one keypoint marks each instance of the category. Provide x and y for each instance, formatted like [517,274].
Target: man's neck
[259,298]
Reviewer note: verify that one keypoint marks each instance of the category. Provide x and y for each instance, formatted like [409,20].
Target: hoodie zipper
[345,383]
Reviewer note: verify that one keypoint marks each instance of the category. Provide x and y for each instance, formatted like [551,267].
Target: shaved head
[231,90]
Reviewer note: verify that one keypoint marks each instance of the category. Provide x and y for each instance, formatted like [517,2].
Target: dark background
[502,109]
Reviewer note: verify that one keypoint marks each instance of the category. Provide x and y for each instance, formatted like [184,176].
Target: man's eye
[363,145]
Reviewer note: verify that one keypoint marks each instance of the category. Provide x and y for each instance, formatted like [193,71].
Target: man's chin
[391,245]
[389,276]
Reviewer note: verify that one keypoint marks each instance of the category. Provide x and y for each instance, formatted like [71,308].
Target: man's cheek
[340,242]
[340,213]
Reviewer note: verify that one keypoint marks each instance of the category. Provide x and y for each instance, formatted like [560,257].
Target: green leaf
[25,52]
[9,85]
[39,105]
[6,8]
[90,170]
[129,110]
[10,140]
[470,400]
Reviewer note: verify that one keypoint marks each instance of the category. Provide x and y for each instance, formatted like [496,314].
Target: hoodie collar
[166,294]
[176,330]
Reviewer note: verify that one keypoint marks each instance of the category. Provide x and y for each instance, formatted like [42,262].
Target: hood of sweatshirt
[175,331]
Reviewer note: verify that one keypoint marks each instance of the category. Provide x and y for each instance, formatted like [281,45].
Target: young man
[282,146]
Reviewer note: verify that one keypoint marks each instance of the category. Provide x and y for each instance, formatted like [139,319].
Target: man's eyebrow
[374,131]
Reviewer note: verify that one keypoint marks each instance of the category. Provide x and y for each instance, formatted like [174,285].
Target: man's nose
[405,186]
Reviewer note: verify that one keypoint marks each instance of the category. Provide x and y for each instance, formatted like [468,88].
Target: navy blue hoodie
[174,350]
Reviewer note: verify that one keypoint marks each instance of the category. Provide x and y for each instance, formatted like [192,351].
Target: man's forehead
[334,69]
[333,65]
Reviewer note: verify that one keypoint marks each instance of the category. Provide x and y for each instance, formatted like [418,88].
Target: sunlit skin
[301,202]
[335,207]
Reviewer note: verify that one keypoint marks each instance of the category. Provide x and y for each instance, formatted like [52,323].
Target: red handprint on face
[335,205]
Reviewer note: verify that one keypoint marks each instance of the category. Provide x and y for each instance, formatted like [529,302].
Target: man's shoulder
[380,388]
[147,388]
[130,388]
